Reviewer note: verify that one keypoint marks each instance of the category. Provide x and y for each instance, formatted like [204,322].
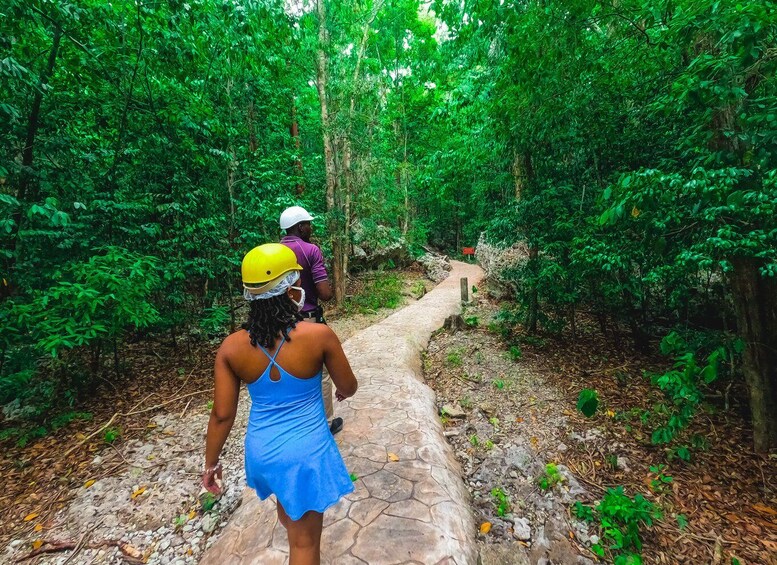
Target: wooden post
[464,290]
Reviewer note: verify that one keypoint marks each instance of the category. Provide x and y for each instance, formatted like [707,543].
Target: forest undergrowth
[157,378]
[705,498]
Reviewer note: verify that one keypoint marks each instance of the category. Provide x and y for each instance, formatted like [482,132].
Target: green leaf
[588,402]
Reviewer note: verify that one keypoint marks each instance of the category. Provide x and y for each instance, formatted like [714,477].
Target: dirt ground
[509,413]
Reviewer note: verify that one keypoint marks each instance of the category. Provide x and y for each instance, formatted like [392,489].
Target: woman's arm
[337,364]
[222,416]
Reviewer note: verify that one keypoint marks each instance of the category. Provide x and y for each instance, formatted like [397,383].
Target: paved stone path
[410,505]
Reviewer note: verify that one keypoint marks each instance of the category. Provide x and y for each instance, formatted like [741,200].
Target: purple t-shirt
[311,260]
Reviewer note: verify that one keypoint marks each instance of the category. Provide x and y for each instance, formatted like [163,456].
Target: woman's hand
[340,396]
[212,479]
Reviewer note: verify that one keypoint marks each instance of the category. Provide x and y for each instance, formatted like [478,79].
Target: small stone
[164,545]
[209,523]
[623,463]
[513,475]
[97,461]
[522,529]
[177,541]
[15,543]
[561,448]
[453,411]
[594,539]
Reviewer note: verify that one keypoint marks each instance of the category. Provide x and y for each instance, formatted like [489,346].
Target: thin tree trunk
[755,303]
[250,115]
[28,189]
[347,186]
[322,77]
[294,130]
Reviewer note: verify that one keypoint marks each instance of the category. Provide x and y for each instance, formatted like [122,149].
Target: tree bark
[294,130]
[755,304]
[28,188]
[322,64]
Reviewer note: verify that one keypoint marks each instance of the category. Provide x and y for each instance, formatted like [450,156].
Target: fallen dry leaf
[89,483]
[485,527]
[770,545]
[38,527]
[138,492]
[132,551]
[37,543]
[31,516]
[765,509]
[393,457]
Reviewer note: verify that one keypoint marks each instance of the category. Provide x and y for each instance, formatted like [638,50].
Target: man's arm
[319,275]
[324,290]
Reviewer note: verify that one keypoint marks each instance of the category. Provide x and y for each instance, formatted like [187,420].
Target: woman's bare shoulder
[234,341]
[308,330]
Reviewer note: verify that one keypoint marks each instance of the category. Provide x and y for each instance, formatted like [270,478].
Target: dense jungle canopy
[629,145]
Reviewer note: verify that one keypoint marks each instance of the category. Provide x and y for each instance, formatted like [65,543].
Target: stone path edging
[412,510]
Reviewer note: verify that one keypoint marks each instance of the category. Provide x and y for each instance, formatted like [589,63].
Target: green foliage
[659,479]
[66,418]
[207,501]
[215,320]
[583,512]
[499,384]
[382,290]
[501,501]
[682,453]
[454,357]
[550,478]
[111,434]
[682,521]
[472,321]
[515,352]
[505,323]
[683,384]
[588,402]
[619,518]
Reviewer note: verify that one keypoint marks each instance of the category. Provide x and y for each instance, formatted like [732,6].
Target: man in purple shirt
[314,281]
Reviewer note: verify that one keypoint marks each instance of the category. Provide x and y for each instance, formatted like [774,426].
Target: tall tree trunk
[523,172]
[28,186]
[294,130]
[322,77]
[755,304]
[250,115]
[405,182]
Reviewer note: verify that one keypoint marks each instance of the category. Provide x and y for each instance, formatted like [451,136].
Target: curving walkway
[410,505]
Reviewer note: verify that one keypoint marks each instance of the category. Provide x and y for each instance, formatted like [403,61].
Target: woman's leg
[304,537]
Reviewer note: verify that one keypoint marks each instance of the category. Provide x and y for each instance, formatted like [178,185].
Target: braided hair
[270,318]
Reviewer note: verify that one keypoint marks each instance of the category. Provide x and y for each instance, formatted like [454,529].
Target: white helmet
[294,215]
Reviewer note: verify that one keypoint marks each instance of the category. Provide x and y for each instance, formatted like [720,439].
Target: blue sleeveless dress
[289,450]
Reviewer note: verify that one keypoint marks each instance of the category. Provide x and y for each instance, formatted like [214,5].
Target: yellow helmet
[265,266]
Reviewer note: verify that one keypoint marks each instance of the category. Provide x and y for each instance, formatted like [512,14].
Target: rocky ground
[509,409]
[506,423]
[139,501]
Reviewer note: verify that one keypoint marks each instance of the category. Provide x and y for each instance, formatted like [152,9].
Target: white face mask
[301,302]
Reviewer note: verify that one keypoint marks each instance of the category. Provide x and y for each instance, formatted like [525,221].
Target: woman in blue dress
[289,450]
